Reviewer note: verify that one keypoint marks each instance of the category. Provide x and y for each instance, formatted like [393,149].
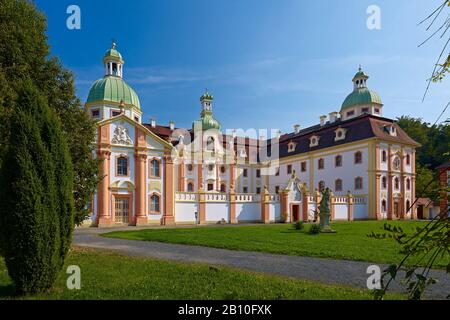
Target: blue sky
[269,64]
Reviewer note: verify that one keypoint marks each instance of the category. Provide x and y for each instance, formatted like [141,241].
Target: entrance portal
[396,209]
[296,212]
[122,210]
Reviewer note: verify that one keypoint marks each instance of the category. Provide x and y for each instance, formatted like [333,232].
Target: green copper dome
[113,89]
[208,122]
[361,96]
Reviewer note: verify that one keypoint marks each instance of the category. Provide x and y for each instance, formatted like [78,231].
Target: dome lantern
[113,62]
[207,120]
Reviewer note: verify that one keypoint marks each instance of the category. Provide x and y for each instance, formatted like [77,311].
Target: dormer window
[351,113]
[391,130]
[340,134]
[365,110]
[314,141]
[115,113]
[291,146]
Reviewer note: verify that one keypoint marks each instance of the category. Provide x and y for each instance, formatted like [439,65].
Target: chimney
[153,122]
[297,128]
[333,116]
[278,136]
[172,125]
[323,120]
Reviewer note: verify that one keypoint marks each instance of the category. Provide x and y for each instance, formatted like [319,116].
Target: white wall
[360,212]
[185,212]
[215,212]
[341,212]
[248,212]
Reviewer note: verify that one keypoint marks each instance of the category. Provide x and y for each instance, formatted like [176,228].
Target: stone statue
[325,211]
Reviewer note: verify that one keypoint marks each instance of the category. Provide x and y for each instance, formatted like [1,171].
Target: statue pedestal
[325,224]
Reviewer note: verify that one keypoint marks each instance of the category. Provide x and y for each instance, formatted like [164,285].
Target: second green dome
[361,96]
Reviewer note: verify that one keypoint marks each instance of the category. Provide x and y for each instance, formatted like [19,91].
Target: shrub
[37,202]
[299,225]
[314,229]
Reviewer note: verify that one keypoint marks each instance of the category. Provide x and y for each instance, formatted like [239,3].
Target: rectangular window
[210,187]
[365,110]
[350,113]
[245,189]
[258,190]
[321,164]
[122,166]
[303,167]
[289,169]
[277,189]
[115,113]
[245,173]
[95,113]
[258,173]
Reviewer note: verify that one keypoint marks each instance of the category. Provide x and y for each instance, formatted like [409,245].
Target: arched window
[190,167]
[223,169]
[408,206]
[321,185]
[384,156]
[384,182]
[338,161]
[358,183]
[408,184]
[155,204]
[321,164]
[155,168]
[338,185]
[190,187]
[122,166]
[383,206]
[396,183]
[210,144]
[223,188]
[408,159]
[358,157]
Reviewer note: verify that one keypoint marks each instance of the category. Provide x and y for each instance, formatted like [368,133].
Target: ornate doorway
[122,210]
[295,212]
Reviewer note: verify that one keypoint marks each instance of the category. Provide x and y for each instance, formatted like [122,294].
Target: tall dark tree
[24,53]
[36,213]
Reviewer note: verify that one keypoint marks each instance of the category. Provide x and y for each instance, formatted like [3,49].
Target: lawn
[350,242]
[107,275]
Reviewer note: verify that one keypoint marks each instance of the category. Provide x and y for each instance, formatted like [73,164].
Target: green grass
[107,275]
[350,242]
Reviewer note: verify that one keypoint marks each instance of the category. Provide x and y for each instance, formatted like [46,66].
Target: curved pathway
[328,271]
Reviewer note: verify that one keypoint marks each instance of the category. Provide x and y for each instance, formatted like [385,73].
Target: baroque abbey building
[154,174]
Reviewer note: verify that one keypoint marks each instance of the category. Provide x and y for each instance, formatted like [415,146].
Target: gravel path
[340,272]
